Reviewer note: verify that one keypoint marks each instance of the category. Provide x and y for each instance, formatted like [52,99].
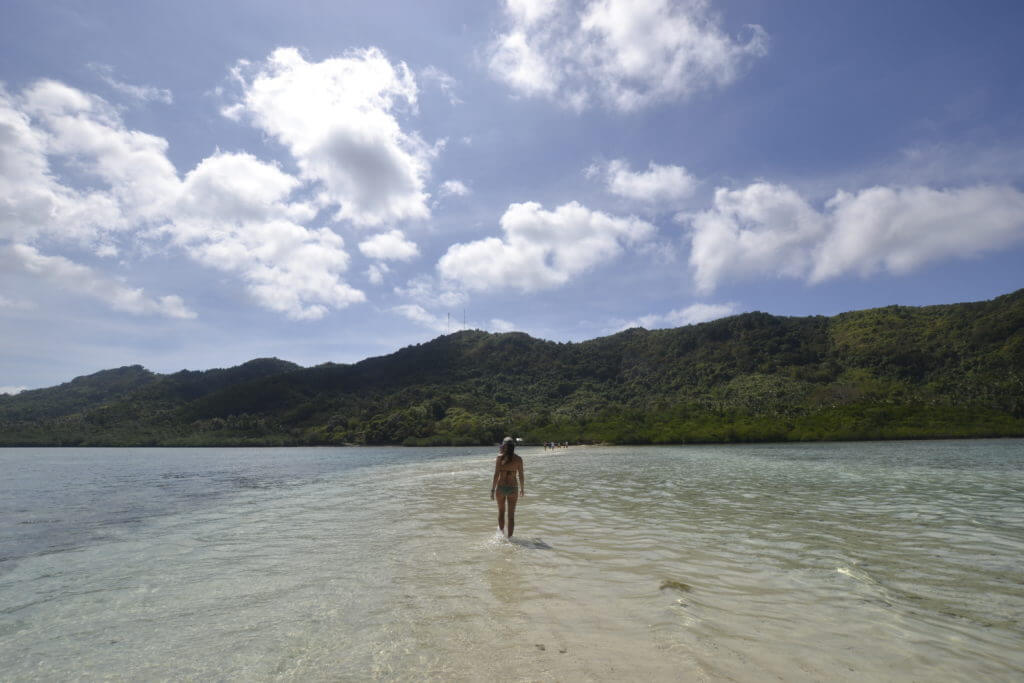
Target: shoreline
[600,444]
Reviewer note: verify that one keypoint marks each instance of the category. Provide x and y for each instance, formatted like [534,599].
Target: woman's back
[507,468]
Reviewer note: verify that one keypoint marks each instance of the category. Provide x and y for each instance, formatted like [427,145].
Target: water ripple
[820,562]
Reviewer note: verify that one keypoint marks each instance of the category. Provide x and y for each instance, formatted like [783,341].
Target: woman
[503,486]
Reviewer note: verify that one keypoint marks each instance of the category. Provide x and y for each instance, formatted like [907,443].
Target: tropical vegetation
[887,373]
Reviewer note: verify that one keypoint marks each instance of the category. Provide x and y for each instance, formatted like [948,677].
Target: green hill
[894,372]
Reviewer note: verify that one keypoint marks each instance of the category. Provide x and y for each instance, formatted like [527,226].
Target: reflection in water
[505,578]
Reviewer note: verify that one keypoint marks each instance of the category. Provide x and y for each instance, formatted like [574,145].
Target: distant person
[503,486]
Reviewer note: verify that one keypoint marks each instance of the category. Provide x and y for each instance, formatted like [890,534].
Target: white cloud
[455,188]
[529,12]
[35,203]
[656,184]
[11,391]
[236,187]
[760,230]
[376,272]
[421,316]
[288,268]
[541,249]
[767,229]
[691,315]
[145,93]
[82,280]
[628,53]
[391,245]
[234,215]
[232,212]
[523,66]
[499,325]
[901,229]
[84,129]
[337,118]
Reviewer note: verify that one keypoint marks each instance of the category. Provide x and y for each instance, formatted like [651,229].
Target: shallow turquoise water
[877,561]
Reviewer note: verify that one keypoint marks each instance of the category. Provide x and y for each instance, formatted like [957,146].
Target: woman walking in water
[503,486]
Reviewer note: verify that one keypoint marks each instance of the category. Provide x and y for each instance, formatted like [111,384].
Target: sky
[192,185]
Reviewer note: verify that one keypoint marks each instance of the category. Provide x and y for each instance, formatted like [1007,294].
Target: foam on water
[833,562]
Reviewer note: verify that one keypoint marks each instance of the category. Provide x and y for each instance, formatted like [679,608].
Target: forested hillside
[895,372]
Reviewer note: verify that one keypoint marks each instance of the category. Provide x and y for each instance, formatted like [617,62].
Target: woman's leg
[501,511]
[512,500]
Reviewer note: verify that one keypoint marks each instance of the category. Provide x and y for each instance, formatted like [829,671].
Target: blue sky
[195,184]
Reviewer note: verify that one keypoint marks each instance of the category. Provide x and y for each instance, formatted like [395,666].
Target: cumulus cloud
[35,203]
[83,128]
[455,188]
[541,249]
[499,325]
[232,212]
[627,53]
[84,281]
[759,230]
[901,229]
[11,391]
[691,315]
[391,245]
[49,119]
[525,67]
[656,184]
[767,229]
[144,93]
[338,119]
[234,215]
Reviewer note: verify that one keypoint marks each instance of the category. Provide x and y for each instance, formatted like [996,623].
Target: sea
[880,561]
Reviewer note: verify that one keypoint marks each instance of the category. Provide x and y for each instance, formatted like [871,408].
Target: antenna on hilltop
[464,319]
[448,330]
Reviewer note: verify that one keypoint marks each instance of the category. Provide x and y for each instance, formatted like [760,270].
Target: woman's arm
[522,478]
[494,481]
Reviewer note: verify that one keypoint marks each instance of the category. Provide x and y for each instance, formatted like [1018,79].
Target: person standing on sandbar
[503,486]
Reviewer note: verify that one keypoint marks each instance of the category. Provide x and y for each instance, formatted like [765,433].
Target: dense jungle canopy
[896,372]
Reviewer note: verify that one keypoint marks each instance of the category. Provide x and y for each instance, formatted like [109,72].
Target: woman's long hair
[508,449]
